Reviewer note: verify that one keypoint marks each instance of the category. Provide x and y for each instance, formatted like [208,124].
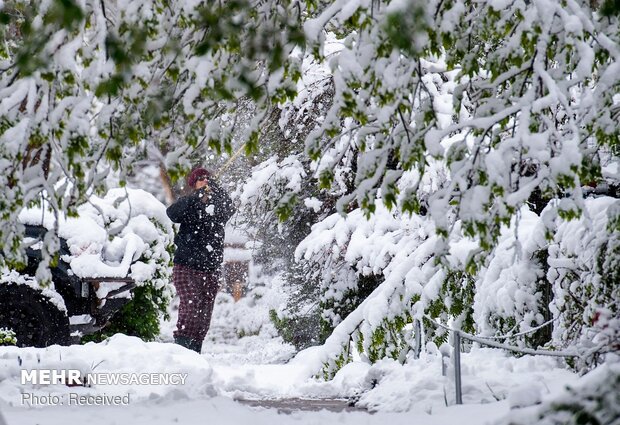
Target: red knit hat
[196,174]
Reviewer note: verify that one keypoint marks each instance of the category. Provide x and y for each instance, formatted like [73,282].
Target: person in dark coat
[199,254]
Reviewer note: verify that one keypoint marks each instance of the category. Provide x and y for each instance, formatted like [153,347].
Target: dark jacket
[200,240]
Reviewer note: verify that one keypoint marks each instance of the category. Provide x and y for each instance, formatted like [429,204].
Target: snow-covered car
[75,306]
[116,243]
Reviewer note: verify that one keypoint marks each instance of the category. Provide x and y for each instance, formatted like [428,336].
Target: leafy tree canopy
[518,98]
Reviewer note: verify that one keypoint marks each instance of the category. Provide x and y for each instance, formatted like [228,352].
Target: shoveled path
[259,364]
[290,405]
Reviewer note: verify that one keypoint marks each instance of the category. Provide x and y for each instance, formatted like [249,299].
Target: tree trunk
[167,184]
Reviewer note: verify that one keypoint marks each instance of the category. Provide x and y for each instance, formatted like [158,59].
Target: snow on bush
[399,247]
[7,337]
[576,260]
[492,295]
[246,326]
[271,193]
[584,269]
[250,314]
[509,289]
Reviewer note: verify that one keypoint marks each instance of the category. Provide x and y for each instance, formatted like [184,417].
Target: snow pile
[488,375]
[593,399]
[124,233]
[525,395]
[490,378]
[118,354]
[221,410]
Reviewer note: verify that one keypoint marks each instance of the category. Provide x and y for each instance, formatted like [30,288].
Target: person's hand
[204,194]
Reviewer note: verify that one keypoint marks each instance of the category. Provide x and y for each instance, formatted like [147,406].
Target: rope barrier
[485,341]
[458,334]
[520,333]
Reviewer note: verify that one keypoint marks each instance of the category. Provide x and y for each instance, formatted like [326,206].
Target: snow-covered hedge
[584,269]
[495,294]
[578,265]
[7,337]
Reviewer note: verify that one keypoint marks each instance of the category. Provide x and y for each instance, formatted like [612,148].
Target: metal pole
[418,338]
[444,349]
[457,367]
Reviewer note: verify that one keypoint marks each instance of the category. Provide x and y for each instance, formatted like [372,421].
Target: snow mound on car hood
[124,233]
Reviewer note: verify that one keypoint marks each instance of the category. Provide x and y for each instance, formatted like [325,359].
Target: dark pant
[196,290]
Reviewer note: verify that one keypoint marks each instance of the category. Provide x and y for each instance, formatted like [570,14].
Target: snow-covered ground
[215,379]
[244,359]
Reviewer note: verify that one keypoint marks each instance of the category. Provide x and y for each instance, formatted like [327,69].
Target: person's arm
[228,208]
[223,204]
[182,211]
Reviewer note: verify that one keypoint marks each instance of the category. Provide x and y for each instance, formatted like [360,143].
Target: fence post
[457,367]
[417,329]
[444,349]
